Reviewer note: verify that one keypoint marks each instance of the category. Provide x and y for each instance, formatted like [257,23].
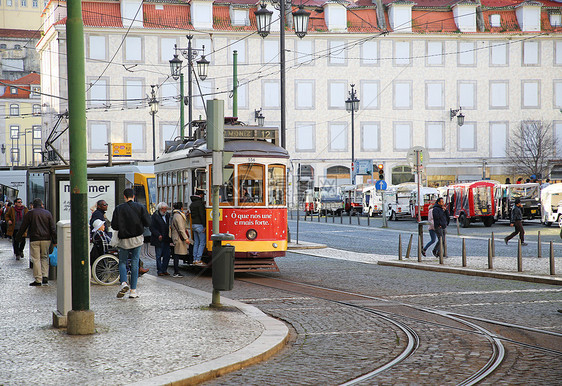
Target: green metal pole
[182,115]
[78,161]
[235,83]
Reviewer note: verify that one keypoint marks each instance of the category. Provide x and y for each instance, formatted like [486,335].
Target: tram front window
[151,185]
[250,183]
[276,185]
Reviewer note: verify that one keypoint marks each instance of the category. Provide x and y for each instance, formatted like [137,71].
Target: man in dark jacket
[99,214]
[517,222]
[440,222]
[160,237]
[198,220]
[129,220]
[41,230]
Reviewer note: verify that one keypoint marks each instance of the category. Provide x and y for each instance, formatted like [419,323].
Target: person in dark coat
[440,222]
[517,222]
[198,220]
[160,237]
[14,218]
[99,214]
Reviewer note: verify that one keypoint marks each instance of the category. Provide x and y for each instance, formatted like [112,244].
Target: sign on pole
[122,149]
[380,185]
[364,167]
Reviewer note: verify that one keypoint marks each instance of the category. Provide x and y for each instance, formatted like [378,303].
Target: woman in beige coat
[179,230]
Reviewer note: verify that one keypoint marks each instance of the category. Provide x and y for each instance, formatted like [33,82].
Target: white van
[551,204]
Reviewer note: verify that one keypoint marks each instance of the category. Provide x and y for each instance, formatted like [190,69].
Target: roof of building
[361,15]
[19,33]
[23,88]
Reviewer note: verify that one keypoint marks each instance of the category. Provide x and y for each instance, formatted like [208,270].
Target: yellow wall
[18,17]
[25,121]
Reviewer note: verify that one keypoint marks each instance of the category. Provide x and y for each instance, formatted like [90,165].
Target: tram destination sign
[250,133]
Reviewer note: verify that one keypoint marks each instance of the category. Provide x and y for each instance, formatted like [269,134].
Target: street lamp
[258,116]
[457,113]
[352,105]
[176,71]
[300,22]
[153,103]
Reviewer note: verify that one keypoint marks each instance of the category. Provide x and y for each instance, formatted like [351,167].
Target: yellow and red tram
[253,203]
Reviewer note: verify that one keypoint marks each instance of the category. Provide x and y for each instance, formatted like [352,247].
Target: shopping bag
[53,258]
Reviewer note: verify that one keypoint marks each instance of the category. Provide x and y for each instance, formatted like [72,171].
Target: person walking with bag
[431,230]
[14,219]
[198,217]
[42,232]
[160,237]
[179,232]
[129,220]
[517,222]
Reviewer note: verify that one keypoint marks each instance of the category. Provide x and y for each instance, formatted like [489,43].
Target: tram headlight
[251,234]
[274,245]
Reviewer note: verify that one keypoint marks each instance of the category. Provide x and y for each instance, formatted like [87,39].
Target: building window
[24,3]
[370,136]
[466,96]
[558,52]
[370,53]
[8,3]
[13,90]
[207,93]
[304,94]
[555,19]
[466,135]
[370,94]
[270,94]
[557,127]
[499,54]
[338,136]
[134,93]
[243,103]
[434,135]
[37,156]
[240,47]
[167,50]
[98,93]
[270,53]
[168,132]
[434,51]
[36,132]
[240,17]
[14,133]
[169,93]
[3,46]
[15,155]
[402,136]
[337,51]
[134,134]
[98,136]
[305,51]
[305,136]
[531,54]
[434,95]
[133,49]
[35,3]
[495,20]
[14,110]
[557,86]
[97,47]
[499,94]
[402,95]
[466,54]
[402,53]
[498,139]
[337,94]
[35,92]
[530,94]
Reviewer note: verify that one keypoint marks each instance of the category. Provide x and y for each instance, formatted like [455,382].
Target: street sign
[122,149]
[364,167]
[413,154]
[380,185]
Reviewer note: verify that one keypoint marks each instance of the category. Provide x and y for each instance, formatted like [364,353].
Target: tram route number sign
[250,133]
[122,149]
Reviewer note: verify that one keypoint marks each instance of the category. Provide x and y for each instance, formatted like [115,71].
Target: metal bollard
[490,255]
[519,257]
[333,217]
[409,247]
[552,268]
[493,246]
[399,247]
[326,218]
[368,220]
[440,250]
[358,219]
[420,242]
[463,253]
[341,216]
[458,228]
[319,215]
[539,250]
[350,213]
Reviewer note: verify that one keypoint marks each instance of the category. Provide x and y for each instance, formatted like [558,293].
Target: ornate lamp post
[153,103]
[176,70]
[300,22]
[352,105]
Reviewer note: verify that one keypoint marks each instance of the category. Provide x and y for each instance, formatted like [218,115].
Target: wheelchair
[105,268]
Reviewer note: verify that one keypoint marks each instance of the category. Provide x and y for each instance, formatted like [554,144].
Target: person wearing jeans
[198,219]
[431,229]
[129,220]
[160,237]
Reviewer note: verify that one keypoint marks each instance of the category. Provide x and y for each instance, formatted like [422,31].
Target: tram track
[402,315]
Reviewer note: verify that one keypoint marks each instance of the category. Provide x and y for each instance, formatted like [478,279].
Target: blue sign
[380,185]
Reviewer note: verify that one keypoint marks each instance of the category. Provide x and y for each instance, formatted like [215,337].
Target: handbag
[53,258]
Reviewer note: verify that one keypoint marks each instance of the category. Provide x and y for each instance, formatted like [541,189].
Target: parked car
[472,202]
[551,204]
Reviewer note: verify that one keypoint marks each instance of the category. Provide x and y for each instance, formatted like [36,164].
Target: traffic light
[381,171]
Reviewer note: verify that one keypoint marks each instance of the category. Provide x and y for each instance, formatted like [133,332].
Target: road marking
[343,332]
[475,293]
[500,303]
[271,299]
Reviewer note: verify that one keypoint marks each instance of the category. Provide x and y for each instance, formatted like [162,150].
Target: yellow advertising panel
[122,149]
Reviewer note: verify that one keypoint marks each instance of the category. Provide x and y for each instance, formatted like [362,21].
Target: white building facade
[500,64]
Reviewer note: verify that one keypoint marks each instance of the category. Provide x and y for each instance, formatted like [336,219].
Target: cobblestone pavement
[334,344]
[167,330]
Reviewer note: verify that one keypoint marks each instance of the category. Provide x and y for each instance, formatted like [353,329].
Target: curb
[476,272]
[270,342]
[304,245]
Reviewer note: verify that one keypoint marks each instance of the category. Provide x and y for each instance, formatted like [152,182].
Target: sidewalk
[166,335]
